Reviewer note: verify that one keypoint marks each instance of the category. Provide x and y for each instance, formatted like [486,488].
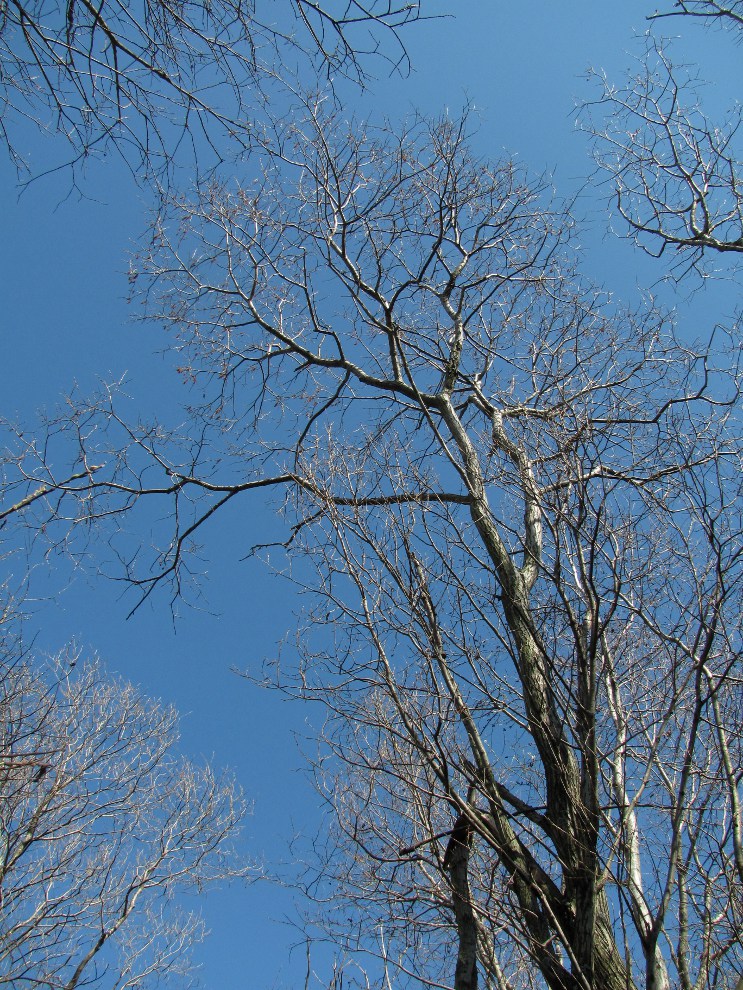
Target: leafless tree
[708,10]
[676,172]
[150,79]
[517,504]
[102,826]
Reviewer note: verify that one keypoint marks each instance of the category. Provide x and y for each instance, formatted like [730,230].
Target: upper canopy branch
[709,9]
[675,172]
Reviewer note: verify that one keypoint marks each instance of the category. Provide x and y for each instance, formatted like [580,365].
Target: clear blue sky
[64,319]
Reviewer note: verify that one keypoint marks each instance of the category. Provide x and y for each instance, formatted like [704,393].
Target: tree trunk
[457,860]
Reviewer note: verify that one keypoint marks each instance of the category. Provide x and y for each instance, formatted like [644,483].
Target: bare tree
[520,503]
[708,10]
[102,826]
[676,172]
[151,80]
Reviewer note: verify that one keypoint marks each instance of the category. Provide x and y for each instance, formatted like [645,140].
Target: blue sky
[64,320]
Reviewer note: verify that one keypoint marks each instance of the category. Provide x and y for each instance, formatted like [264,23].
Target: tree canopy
[514,504]
[102,827]
[152,79]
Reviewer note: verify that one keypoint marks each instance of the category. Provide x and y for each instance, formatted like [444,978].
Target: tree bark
[456,859]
